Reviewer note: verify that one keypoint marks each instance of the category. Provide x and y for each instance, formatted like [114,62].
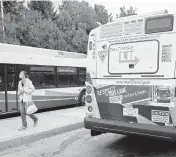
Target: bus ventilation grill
[122,28]
[111,30]
[133,27]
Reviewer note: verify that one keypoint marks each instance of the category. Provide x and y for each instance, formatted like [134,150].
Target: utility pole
[2,20]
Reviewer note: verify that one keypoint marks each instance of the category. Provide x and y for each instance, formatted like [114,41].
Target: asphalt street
[79,143]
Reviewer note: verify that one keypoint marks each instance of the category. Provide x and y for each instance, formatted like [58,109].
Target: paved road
[79,143]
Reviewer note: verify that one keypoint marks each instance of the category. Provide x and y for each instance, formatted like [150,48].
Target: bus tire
[82,98]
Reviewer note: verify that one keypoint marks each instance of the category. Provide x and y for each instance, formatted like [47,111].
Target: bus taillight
[88,89]
[90,109]
[88,99]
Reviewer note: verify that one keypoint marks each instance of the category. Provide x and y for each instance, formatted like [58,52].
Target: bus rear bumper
[124,128]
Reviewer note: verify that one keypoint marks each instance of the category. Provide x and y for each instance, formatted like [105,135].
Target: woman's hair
[25,74]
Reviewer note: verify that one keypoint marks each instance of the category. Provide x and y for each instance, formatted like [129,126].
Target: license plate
[131,112]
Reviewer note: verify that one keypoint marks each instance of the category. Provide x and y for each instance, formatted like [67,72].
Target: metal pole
[2,20]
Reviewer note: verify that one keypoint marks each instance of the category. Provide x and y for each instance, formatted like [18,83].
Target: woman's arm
[29,88]
[20,88]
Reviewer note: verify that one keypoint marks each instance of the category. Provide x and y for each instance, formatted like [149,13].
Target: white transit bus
[58,76]
[131,76]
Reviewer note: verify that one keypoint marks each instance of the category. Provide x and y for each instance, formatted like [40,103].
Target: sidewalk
[50,123]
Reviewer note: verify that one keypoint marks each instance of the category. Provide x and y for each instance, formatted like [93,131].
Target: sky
[143,6]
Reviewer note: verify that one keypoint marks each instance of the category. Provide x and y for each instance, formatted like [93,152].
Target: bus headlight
[88,89]
[89,99]
[90,109]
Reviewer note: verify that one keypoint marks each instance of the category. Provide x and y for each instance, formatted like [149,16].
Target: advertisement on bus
[138,103]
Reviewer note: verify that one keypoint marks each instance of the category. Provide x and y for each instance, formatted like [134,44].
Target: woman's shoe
[35,123]
[23,128]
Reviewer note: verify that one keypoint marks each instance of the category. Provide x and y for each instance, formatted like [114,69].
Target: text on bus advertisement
[140,82]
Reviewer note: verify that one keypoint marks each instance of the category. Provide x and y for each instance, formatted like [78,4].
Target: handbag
[31,108]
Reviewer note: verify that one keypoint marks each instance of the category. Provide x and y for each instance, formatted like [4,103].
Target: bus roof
[14,54]
[126,26]
[161,12]
[38,51]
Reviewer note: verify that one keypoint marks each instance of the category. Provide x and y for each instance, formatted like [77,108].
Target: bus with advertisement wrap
[131,77]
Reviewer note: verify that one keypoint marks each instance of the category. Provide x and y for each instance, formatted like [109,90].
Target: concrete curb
[26,139]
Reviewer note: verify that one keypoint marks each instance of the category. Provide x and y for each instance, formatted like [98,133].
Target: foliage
[110,17]
[64,28]
[126,12]
[46,8]
[76,20]
[13,7]
[102,14]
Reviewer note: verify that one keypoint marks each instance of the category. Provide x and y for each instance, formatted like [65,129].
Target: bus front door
[12,99]
[2,89]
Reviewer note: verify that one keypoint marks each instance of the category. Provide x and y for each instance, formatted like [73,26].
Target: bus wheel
[82,98]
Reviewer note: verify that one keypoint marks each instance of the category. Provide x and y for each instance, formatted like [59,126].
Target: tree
[123,12]
[40,25]
[45,7]
[76,20]
[110,18]
[78,12]
[13,13]
[80,41]
[37,31]
[10,30]
[102,14]
[13,7]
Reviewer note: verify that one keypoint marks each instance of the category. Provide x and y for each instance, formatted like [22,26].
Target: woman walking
[25,90]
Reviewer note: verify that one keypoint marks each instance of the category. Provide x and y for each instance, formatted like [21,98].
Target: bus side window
[67,76]
[42,76]
[2,71]
[82,76]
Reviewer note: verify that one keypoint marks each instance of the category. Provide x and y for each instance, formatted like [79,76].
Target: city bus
[131,77]
[58,76]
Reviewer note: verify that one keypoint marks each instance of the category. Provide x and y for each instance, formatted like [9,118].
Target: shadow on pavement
[143,146]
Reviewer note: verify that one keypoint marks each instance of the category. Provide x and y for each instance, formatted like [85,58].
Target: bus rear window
[159,24]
